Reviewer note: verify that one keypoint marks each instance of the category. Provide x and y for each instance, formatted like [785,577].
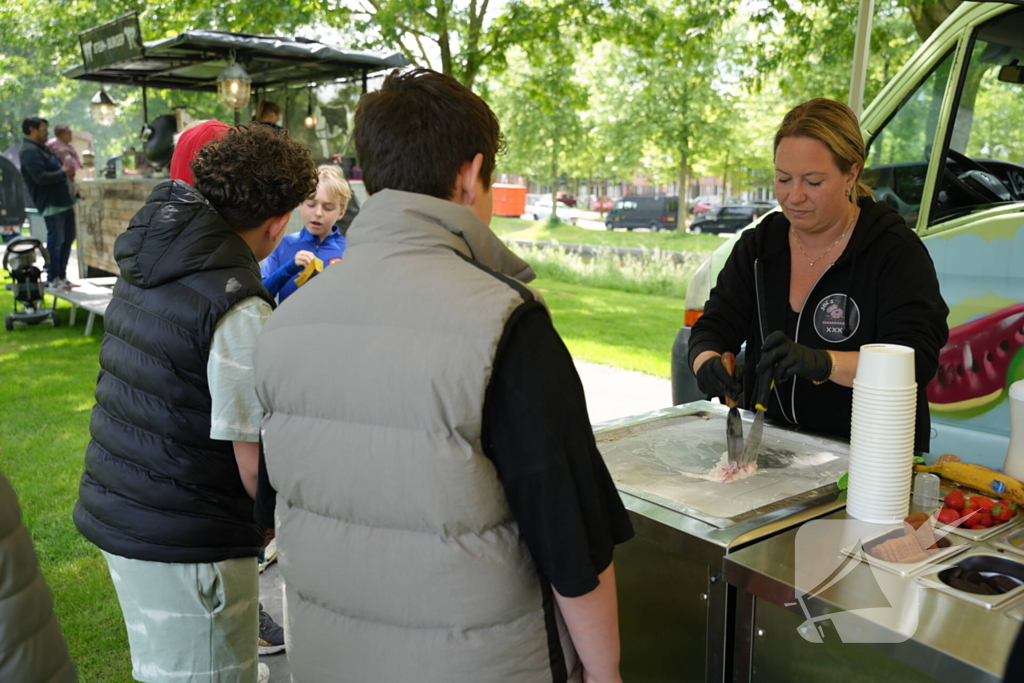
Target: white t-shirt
[236,413]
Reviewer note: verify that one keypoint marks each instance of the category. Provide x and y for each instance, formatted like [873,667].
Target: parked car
[726,219]
[655,213]
[541,209]
[603,203]
[566,198]
[702,204]
[936,166]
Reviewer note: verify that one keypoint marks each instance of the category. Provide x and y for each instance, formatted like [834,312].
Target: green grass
[49,375]
[631,331]
[515,228]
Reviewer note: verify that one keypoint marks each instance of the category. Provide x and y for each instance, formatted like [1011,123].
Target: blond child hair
[331,178]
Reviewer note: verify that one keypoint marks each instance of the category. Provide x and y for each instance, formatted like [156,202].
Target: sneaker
[271,634]
[268,556]
[262,673]
[68,284]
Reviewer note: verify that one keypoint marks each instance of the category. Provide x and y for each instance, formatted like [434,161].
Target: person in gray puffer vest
[444,513]
[32,648]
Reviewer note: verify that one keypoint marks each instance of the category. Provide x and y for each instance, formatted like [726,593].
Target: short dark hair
[31,123]
[416,132]
[254,173]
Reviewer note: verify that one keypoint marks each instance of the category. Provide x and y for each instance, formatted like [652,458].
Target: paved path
[610,392]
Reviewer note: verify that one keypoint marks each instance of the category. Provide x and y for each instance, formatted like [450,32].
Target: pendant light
[234,86]
[310,120]
[104,109]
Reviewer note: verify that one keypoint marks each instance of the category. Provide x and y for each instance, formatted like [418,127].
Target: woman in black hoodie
[807,287]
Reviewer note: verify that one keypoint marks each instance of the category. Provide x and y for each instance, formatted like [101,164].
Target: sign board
[113,42]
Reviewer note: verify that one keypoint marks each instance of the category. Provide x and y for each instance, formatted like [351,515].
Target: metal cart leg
[88,323]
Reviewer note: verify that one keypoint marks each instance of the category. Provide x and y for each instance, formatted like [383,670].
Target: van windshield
[984,165]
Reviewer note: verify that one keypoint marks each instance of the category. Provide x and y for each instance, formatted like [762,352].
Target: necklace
[825,253]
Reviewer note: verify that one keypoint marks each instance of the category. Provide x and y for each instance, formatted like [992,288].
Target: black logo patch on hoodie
[830,318]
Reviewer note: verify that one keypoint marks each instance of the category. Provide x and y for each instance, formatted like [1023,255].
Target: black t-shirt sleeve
[537,432]
[266,496]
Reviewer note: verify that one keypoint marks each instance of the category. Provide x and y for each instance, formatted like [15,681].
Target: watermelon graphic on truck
[975,364]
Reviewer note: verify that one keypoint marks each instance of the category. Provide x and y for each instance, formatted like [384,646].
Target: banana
[979,478]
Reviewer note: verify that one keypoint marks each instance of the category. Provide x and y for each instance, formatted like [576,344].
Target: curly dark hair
[416,132]
[254,173]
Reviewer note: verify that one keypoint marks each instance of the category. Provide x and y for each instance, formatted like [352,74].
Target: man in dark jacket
[171,468]
[48,182]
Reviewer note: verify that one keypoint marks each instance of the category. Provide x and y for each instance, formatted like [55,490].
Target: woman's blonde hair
[266,107]
[332,179]
[835,126]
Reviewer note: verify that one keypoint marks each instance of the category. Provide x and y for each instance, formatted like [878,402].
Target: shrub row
[657,272]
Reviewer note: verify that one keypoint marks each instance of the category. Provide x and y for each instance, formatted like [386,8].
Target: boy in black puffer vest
[171,468]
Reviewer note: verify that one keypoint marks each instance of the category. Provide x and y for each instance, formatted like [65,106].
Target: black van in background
[632,211]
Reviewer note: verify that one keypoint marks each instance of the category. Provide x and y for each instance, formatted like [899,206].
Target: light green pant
[190,623]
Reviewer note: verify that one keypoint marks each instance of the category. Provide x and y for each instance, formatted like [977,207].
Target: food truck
[228,65]
[710,590]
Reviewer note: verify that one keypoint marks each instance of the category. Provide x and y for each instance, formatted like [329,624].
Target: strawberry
[948,516]
[955,500]
[982,502]
[969,513]
[1001,513]
[984,518]
[978,526]
[1006,503]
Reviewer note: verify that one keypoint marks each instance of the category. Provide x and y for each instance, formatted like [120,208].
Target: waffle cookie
[901,550]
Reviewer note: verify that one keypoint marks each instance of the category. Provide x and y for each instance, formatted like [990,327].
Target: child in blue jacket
[318,238]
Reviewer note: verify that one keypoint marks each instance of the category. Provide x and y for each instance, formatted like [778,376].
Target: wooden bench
[93,295]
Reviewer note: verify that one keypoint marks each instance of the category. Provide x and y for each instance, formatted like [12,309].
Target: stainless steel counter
[951,638]
[676,609]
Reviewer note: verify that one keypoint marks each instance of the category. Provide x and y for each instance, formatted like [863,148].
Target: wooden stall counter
[103,213]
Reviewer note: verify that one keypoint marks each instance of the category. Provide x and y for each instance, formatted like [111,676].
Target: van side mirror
[1012,73]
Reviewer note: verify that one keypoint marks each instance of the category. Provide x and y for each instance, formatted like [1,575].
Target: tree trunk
[725,177]
[554,184]
[683,209]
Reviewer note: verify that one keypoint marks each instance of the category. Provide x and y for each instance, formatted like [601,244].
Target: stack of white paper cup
[882,434]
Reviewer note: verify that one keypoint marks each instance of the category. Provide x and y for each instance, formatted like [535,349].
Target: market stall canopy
[192,61]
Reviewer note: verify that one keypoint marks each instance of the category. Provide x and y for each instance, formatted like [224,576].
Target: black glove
[792,360]
[714,380]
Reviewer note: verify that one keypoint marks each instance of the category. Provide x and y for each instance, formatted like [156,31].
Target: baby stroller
[19,261]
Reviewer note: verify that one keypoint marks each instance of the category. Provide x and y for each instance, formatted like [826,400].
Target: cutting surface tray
[656,459]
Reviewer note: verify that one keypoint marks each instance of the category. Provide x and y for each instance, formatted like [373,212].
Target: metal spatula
[733,423]
[753,441]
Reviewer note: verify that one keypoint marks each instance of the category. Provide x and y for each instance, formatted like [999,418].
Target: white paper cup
[894,418]
[889,500]
[884,468]
[862,389]
[862,407]
[867,515]
[870,487]
[886,366]
[883,461]
[870,477]
[889,421]
[868,440]
[887,390]
[876,431]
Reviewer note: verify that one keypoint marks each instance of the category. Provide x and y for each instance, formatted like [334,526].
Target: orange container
[509,200]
